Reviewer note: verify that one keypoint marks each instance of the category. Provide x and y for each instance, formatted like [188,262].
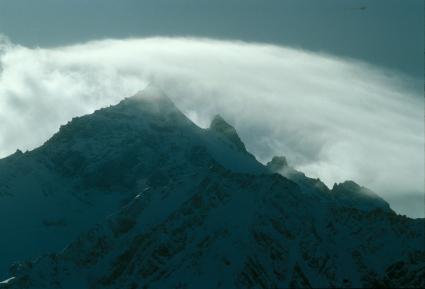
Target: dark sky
[389,33]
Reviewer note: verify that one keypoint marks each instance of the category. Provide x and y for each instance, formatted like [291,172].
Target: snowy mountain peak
[152,99]
[137,196]
[219,125]
[277,164]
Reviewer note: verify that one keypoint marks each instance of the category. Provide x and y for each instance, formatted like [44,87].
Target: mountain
[137,196]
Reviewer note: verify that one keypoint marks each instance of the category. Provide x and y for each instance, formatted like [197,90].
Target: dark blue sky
[389,33]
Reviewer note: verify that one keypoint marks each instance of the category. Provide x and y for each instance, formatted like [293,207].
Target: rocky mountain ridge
[137,196]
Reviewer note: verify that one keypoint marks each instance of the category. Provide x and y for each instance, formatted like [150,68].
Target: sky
[388,33]
[337,89]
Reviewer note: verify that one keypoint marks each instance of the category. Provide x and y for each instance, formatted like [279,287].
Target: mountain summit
[219,125]
[137,196]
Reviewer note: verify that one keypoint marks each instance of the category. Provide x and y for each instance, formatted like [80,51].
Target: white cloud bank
[333,118]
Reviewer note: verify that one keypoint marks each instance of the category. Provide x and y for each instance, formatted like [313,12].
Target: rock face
[137,196]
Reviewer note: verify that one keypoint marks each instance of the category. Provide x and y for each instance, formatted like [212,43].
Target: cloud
[333,118]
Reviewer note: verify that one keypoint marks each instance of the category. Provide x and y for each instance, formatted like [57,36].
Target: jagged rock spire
[219,125]
[277,164]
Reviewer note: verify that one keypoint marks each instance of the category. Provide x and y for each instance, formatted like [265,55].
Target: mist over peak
[277,164]
[313,108]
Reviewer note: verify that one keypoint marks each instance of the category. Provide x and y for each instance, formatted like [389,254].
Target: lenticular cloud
[333,118]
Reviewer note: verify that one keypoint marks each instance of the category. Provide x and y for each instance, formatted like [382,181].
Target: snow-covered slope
[137,196]
[94,165]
